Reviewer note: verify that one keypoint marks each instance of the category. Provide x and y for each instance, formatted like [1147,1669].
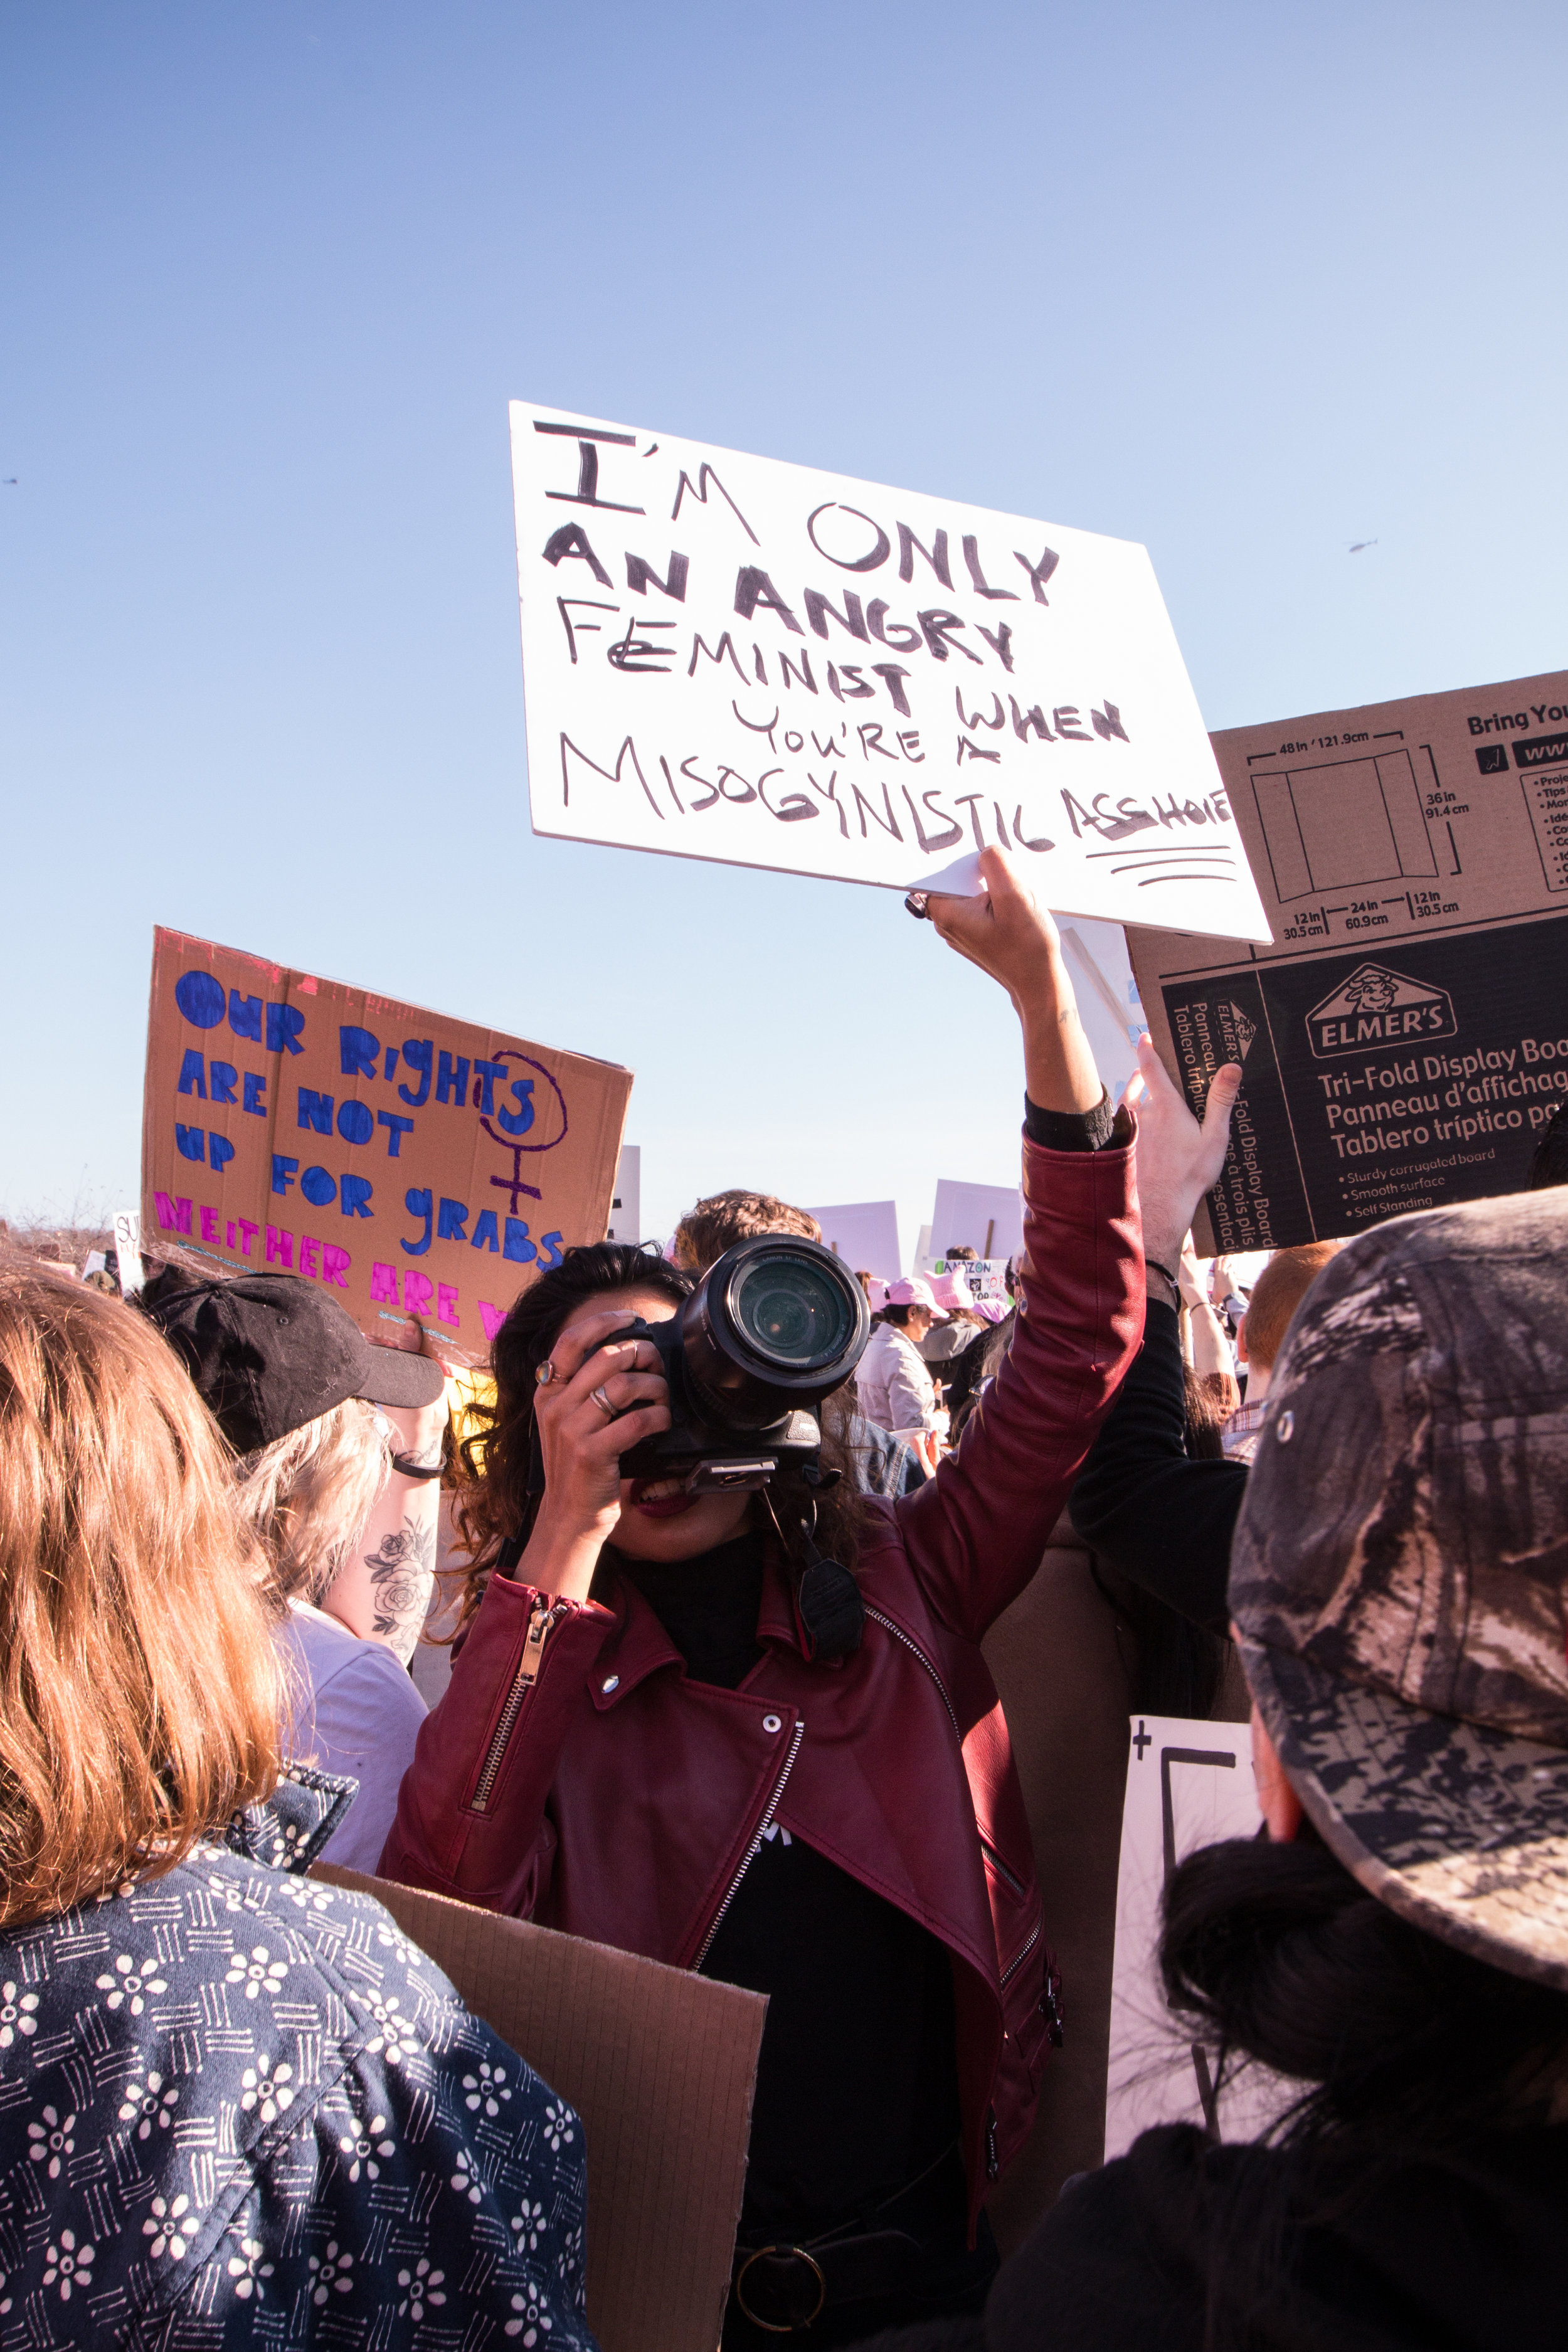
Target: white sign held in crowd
[986,1277]
[730,658]
[128,1251]
[625,1200]
[1188,1784]
[986,1218]
[865,1235]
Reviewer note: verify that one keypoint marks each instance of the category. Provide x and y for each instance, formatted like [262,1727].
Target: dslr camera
[775,1326]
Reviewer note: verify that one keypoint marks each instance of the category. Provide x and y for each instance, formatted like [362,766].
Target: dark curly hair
[491,1500]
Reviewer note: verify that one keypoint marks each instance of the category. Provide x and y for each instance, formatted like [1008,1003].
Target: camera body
[773,1327]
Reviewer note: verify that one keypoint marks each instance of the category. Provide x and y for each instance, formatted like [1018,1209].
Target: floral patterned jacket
[239,2108]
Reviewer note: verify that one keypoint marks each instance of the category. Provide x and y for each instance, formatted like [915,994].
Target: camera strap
[826,1598]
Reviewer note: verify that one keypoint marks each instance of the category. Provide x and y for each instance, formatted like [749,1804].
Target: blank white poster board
[729,658]
[1188,1784]
[625,1200]
[865,1235]
[986,1218]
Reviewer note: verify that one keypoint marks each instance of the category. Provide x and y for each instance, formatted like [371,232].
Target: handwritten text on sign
[730,658]
[418,1165]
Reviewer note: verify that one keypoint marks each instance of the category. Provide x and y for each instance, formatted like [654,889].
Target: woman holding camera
[657,1736]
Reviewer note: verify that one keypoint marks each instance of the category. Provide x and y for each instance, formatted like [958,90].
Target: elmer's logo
[1378,1007]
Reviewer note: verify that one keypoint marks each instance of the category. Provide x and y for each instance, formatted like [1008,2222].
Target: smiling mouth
[661,1498]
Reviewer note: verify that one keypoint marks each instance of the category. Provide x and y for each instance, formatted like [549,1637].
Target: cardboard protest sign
[865,1235]
[415,1164]
[985,1218]
[729,658]
[658,2063]
[1188,1784]
[1406,1037]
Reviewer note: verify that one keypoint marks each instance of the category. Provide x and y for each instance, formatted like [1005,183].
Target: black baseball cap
[270,1351]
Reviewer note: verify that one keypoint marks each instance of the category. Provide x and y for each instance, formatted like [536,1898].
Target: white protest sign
[865,1235]
[128,1251]
[986,1277]
[1188,1784]
[986,1218]
[625,1200]
[730,658]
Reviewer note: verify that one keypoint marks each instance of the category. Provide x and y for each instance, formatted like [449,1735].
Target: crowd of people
[754,1730]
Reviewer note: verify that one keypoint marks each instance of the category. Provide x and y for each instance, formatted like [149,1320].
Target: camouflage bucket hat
[1400,1566]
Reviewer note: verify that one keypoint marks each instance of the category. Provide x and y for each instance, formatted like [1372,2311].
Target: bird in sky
[1360,544]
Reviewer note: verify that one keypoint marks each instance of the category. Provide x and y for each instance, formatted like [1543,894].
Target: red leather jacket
[572,1774]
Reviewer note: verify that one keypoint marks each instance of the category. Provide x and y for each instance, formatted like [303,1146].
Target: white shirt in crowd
[892,1384]
[355,1712]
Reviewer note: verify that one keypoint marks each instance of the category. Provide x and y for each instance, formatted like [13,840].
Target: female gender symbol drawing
[523,1119]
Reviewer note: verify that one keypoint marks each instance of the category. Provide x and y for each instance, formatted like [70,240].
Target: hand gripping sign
[417,1165]
[729,658]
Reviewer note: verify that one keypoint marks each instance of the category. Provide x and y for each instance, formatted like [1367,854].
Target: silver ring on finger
[603,1402]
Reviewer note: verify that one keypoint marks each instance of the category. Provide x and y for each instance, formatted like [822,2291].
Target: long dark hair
[492,1502]
[1406,2049]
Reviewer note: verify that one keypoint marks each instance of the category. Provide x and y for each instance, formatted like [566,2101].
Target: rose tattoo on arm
[402,1573]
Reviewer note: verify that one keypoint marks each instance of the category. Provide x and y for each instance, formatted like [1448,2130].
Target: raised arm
[974,1536]
[1160,1519]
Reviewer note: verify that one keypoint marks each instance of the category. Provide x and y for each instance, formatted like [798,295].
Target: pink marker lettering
[447,1306]
[383,1283]
[492,1318]
[248,1233]
[175,1216]
[336,1265]
[280,1249]
[309,1255]
[416,1292]
[209,1224]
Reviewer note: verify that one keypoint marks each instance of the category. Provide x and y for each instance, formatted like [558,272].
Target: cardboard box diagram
[1404,1036]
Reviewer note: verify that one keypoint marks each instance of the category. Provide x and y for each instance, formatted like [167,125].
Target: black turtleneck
[857,2081]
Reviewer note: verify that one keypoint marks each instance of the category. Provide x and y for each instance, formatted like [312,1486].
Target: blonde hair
[307,1495]
[139,1686]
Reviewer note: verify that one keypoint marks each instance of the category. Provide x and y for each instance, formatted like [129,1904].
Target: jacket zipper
[1017,1962]
[764,1826]
[1000,1867]
[541,1622]
[915,1650]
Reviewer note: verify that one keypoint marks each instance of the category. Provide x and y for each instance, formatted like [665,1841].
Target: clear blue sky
[1248,283]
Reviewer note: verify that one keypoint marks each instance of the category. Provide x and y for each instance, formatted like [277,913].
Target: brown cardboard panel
[416,1164]
[660,2065]
[1405,1038]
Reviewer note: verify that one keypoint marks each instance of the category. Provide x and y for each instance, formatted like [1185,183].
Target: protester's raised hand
[1011,937]
[1003,929]
[1178,1159]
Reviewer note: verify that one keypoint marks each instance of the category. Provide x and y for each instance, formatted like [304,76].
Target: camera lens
[791,1311]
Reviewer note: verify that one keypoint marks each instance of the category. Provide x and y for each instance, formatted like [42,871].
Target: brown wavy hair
[492,1502]
[139,1686]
